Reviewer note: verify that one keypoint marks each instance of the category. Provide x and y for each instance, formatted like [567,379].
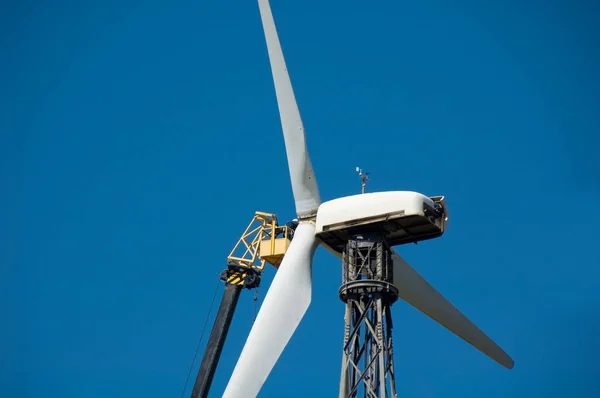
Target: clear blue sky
[138,138]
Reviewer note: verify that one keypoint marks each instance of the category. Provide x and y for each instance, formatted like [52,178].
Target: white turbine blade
[415,290]
[284,306]
[304,183]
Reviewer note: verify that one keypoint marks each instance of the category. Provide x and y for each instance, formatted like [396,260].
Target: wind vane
[364,177]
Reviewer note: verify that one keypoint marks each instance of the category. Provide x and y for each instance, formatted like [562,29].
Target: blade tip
[509,364]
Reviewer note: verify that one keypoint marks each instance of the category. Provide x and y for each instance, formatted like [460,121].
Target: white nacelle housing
[402,216]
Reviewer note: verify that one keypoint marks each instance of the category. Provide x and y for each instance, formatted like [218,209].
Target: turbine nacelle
[399,216]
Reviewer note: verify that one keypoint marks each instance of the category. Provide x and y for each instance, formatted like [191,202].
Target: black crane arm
[263,242]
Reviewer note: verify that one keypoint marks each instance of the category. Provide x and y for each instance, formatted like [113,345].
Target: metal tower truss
[367,290]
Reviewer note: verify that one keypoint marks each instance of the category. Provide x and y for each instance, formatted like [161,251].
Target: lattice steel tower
[367,290]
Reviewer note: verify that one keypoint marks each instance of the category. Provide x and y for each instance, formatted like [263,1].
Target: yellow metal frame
[246,255]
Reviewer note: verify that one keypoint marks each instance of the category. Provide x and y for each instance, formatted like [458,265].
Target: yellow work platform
[273,250]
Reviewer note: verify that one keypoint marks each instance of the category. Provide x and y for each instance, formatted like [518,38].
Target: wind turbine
[360,230]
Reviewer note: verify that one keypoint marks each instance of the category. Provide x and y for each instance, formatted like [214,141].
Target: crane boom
[263,241]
